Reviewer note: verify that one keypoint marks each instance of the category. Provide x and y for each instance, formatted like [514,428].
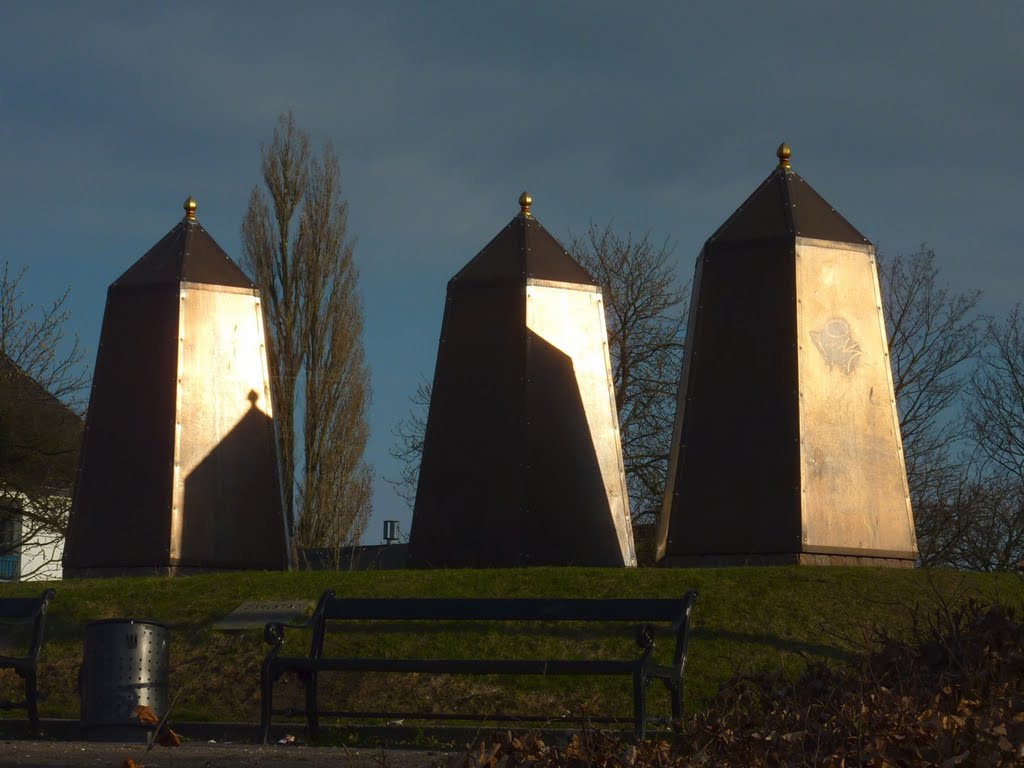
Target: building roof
[185,254]
[39,434]
[522,251]
[784,206]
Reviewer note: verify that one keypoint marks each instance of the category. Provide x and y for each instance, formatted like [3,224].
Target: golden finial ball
[784,153]
[190,206]
[525,201]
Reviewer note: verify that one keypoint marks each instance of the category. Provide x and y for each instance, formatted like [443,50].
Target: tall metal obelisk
[786,447]
[178,470]
[522,461]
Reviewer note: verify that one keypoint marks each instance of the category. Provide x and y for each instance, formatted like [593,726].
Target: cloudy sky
[656,116]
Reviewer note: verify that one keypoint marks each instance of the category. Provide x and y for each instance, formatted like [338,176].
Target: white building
[28,552]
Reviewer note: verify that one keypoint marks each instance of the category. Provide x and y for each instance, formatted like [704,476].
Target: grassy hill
[748,619]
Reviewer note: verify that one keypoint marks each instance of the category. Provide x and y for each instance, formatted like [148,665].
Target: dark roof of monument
[786,206]
[523,250]
[185,254]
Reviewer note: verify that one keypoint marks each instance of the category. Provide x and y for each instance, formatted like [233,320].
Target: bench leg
[312,713]
[639,705]
[266,701]
[676,692]
[31,701]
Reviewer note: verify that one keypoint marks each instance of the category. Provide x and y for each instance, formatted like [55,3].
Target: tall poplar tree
[296,245]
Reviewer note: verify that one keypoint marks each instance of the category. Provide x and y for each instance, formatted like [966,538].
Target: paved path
[81,754]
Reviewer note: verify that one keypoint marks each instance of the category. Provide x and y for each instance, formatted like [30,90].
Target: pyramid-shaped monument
[178,469]
[786,446]
[522,461]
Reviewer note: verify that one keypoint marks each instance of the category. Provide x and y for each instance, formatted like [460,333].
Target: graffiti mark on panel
[837,345]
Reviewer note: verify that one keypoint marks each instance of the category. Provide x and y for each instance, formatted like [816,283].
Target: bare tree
[319,376]
[408,447]
[644,309]
[991,524]
[995,406]
[43,382]
[994,538]
[933,340]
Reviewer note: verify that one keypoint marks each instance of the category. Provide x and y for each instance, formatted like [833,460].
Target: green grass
[746,619]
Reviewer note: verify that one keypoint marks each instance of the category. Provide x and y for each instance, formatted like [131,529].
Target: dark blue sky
[907,117]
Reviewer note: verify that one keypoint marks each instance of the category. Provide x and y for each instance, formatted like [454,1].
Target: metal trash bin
[125,664]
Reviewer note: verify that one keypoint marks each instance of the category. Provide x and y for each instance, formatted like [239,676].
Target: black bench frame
[24,611]
[645,613]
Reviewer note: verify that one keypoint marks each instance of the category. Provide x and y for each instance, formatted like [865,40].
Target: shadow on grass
[775,642]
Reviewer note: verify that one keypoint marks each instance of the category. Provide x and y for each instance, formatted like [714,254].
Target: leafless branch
[644,309]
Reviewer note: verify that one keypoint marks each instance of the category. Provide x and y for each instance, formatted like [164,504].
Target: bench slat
[461,666]
[19,607]
[508,609]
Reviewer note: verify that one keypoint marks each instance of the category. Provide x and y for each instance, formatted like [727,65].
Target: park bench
[22,620]
[340,614]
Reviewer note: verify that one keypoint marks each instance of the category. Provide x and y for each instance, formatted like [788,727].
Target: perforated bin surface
[125,665]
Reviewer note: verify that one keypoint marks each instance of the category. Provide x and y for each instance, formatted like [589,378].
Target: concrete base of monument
[115,572]
[847,557]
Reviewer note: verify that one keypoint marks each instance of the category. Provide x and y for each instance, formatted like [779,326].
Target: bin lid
[101,622]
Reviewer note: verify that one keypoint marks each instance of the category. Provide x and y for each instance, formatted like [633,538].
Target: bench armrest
[273,633]
[682,629]
[40,623]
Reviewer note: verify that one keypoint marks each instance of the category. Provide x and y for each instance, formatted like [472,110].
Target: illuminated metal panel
[224,493]
[570,317]
[854,483]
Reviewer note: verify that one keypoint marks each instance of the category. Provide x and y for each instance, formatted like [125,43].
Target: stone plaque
[256,614]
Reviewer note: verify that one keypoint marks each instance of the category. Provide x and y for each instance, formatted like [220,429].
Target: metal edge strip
[897,431]
[186,285]
[836,245]
[855,552]
[564,286]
